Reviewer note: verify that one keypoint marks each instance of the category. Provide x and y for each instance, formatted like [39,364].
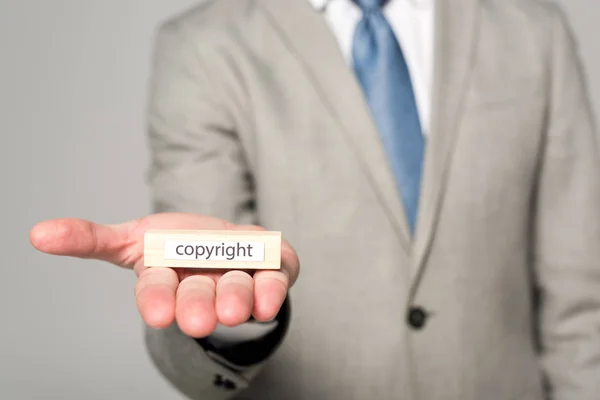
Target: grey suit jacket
[256,118]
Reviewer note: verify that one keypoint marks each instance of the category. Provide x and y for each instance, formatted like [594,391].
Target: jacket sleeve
[213,368]
[198,166]
[567,228]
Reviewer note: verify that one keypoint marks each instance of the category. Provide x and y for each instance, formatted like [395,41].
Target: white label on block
[214,251]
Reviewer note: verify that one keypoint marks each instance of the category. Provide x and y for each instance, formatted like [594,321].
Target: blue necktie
[383,73]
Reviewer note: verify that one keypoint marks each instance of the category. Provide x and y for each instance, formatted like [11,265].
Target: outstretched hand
[196,299]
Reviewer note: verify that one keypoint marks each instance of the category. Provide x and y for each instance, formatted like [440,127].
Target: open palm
[196,299]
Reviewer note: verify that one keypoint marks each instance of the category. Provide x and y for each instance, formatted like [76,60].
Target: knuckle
[280,278]
[237,278]
[151,276]
[196,282]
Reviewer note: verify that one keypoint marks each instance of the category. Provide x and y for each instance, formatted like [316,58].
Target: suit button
[417,317]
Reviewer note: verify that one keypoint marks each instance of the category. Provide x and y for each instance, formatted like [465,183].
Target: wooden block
[212,249]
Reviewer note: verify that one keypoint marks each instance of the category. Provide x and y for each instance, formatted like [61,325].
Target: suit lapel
[307,34]
[456,25]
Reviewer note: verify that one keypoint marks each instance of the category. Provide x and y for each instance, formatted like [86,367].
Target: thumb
[84,239]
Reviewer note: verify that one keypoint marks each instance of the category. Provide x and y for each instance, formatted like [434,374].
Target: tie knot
[370,5]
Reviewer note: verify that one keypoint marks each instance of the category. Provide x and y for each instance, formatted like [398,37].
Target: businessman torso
[378,314]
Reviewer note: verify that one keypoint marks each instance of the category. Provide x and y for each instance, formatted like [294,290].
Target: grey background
[73,80]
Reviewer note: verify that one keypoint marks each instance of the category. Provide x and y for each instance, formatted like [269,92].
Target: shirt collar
[320,5]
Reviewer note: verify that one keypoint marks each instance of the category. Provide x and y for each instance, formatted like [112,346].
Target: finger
[271,287]
[195,308]
[235,298]
[155,296]
[270,290]
[84,239]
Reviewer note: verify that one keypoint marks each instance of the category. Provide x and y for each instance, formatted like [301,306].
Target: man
[433,163]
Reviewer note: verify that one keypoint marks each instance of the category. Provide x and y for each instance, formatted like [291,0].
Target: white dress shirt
[413,24]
